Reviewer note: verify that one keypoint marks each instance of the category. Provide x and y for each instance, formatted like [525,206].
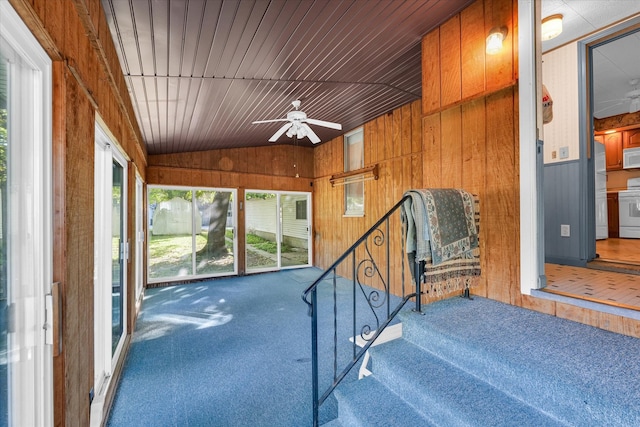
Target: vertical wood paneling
[432,167]
[451,143]
[500,198]
[397,133]
[405,129]
[416,127]
[78,280]
[473,51]
[431,72]
[474,165]
[450,60]
[59,265]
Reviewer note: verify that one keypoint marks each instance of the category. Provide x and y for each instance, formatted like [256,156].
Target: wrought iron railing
[364,275]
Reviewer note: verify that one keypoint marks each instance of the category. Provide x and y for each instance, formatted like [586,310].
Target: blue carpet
[484,363]
[227,352]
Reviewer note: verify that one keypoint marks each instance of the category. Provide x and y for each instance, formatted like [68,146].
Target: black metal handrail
[370,277]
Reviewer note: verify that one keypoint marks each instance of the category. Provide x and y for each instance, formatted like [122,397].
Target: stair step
[368,403]
[580,374]
[445,395]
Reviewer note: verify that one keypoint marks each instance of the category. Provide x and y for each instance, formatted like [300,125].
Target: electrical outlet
[564,152]
[565,230]
[554,154]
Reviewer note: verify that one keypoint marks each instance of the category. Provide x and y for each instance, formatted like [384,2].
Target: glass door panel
[214,237]
[261,231]
[170,240]
[294,208]
[26,353]
[4,233]
[117,256]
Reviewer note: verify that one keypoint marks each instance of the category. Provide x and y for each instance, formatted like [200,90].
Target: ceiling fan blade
[280,131]
[331,125]
[310,133]
[268,121]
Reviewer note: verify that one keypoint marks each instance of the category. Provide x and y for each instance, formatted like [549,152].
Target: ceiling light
[495,38]
[551,27]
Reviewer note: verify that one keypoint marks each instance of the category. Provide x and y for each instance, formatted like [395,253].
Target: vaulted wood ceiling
[200,71]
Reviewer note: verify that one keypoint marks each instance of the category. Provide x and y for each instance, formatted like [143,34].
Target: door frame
[585,120]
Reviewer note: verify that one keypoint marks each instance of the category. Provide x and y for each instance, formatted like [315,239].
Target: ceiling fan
[298,125]
[632,97]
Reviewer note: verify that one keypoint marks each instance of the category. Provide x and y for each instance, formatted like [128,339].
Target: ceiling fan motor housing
[296,116]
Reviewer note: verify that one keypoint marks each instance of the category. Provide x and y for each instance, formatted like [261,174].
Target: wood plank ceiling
[200,71]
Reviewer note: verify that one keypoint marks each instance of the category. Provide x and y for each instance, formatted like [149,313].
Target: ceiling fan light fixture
[551,27]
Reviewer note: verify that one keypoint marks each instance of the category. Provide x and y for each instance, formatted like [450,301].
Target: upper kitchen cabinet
[613,150]
[631,138]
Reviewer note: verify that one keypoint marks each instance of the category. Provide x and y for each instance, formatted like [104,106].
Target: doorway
[615,115]
[277,230]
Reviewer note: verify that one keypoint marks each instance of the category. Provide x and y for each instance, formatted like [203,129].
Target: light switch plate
[564,152]
[565,230]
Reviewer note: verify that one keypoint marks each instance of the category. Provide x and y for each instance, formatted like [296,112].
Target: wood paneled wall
[264,168]
[463,133]
[281,160]
[394,143]
[259,168]
[87,80]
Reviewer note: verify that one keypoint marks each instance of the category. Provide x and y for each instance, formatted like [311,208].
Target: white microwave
[631,158]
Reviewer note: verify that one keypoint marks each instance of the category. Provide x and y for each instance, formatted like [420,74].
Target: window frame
[353,184]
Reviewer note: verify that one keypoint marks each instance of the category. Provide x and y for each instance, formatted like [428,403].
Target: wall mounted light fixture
[551,27]
[495,39]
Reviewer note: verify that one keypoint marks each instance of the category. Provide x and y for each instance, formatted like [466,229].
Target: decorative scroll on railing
[353,298]
[358,175]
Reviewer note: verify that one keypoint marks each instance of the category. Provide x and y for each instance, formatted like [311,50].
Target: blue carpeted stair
[484,363]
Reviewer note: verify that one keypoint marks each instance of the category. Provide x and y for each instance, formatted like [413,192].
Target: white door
[25,232]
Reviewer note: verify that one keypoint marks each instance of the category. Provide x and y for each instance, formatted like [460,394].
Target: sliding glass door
[26,333]
[191,233]
[277,230]
[110,262]
[118,249]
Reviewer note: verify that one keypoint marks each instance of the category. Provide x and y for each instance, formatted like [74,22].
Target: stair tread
[445,394]
[369,403]
[579,373]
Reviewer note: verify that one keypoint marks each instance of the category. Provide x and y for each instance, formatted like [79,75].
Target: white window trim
[360,212]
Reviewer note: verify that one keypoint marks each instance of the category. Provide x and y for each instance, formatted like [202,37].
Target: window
[354,160]
[301,209]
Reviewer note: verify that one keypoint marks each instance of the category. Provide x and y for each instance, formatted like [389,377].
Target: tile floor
[617,289]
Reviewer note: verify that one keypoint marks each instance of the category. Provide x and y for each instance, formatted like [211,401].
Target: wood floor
[618,289]
[619,250]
